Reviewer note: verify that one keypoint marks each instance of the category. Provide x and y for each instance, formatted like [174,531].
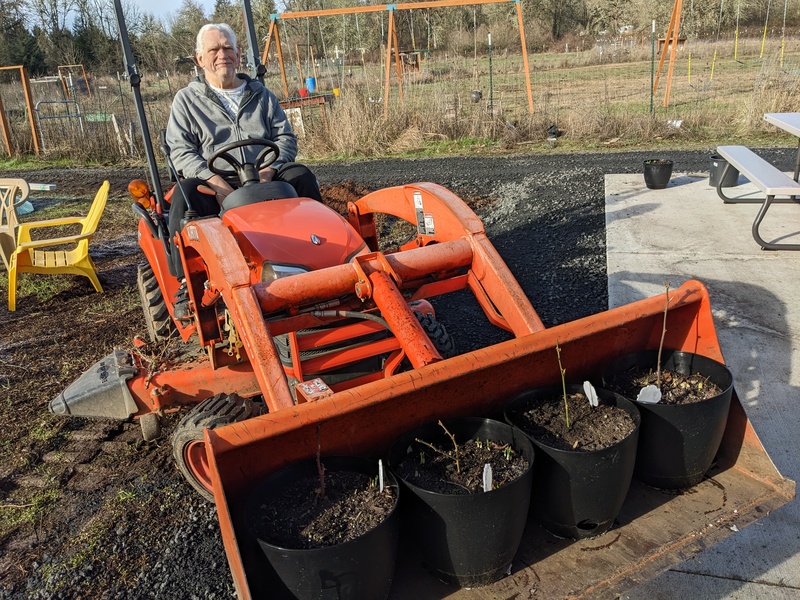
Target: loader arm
[441,216]
[229,274]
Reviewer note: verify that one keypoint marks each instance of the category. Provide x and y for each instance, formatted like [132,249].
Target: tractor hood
[294,231]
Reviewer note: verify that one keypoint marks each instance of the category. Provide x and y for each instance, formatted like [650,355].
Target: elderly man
[219,107]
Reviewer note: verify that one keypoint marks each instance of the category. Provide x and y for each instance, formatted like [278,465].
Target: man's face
[218,59]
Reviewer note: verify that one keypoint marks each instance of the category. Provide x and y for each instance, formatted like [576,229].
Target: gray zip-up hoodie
[199,125]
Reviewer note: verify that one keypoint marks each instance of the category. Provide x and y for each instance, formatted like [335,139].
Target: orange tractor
[289,300]
[313,340]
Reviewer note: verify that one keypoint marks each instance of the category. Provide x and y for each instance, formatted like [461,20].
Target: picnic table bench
[766,177]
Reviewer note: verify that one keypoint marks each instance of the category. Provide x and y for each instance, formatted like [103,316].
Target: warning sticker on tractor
[308,391]
[420,213]
[429,230]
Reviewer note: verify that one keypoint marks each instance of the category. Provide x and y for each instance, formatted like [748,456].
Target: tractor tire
[437,333]
[188,444]
[156,316]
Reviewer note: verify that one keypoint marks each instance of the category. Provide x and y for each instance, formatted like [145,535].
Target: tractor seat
[258,192]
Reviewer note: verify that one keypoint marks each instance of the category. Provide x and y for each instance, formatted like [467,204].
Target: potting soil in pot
[676,388]
[303,516]
[436,469]
[590,428]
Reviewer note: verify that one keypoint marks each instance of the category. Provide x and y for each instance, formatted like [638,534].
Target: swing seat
[663,41]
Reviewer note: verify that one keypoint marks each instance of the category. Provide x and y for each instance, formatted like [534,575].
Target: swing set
[273,35]
[672,41]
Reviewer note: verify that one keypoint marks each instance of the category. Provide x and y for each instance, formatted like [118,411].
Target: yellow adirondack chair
[28,257]
[9,190]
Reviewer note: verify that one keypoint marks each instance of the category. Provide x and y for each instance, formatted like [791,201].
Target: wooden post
[273,32]
[120,143]
[26,89]
[4,128]
[86,79]
[268,43]
[671,38]
[389,34]
[666,41]
[524,55]
[398,67]
[64,86]
[673,51]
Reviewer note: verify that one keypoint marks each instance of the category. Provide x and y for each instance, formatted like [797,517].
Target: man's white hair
[223,27]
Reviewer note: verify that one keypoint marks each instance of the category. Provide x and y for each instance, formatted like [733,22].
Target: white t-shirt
[230,98]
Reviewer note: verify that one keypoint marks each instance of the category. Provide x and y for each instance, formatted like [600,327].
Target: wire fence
[717,89]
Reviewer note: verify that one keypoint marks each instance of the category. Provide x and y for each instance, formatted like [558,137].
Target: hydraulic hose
[351,315]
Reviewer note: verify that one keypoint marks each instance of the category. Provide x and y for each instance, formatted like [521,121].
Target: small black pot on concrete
[657,172]
[718,165]
[359,569]
[577,494]
[678,442]
[467,539]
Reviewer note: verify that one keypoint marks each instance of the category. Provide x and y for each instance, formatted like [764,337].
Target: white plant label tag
[380,474]
[591,393]
[649,395]
[487,477]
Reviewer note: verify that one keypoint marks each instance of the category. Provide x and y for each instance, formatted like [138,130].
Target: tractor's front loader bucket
[656,529]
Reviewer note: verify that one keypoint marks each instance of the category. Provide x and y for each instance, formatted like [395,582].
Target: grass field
[597,98]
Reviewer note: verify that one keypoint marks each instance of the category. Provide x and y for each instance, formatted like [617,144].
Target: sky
[163,8]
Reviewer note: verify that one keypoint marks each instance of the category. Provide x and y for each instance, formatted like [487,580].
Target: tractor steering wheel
[246,172]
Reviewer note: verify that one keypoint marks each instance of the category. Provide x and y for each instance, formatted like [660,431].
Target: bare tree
[52,15]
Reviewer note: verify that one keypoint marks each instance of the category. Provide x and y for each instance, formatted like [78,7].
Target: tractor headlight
[271,272]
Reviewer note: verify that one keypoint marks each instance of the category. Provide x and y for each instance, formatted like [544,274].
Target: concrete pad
[673,585]
[686,232]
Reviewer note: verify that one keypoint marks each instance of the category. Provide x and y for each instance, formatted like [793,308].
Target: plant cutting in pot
[684,400]
[466,488]
[585,442]
[328,527]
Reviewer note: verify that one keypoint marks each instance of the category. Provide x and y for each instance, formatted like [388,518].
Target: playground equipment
[392,45]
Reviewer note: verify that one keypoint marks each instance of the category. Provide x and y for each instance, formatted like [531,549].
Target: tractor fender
[101,391]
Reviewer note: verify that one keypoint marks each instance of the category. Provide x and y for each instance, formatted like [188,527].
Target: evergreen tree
[185,25]
[18,47]
[94,49]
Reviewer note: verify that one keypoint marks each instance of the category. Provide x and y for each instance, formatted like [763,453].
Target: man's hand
[265,175]
[216,186]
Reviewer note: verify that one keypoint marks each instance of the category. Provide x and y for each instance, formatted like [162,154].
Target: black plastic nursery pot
[678,442]
[466,539]
[657,172]
[718,164]
[577,494]
[359,569]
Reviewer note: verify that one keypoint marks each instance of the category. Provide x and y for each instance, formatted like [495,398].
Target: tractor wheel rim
[197,462]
